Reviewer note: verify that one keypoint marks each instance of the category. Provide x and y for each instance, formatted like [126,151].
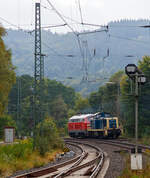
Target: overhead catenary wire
[50,26]
[116,26]
[94,31]
[78,40]
[30,32]
[95,25]
[66,17]
[130,39]
[43,6]
[61,16]
[77,34]
[80,10]
[16,26]
[53,26]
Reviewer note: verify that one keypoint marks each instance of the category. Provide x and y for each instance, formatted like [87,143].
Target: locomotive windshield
[102,115]
[76,120]
[112,123]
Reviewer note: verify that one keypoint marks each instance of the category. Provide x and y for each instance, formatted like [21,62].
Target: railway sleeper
[90,170]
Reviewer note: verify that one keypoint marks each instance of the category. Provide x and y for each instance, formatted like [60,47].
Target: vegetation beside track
[145,141]
[128,173]
[21,156]
[29,153]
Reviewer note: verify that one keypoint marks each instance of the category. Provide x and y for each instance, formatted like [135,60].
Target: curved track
[113,148]
[119,143]
[87,164]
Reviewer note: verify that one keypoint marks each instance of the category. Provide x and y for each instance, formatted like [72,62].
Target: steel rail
[52,169]
[123,144]
[94,165]
[119,143]
[99,159]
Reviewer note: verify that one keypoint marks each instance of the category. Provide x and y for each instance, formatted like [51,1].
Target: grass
[128,173]
[144,141]
[21,156]
[145,173]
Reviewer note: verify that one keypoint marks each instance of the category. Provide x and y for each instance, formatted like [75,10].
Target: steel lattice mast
[38,65]
[38,69]
[38,62]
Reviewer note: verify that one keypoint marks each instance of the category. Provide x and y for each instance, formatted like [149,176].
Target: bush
[21,156]
[17,151]
[47,137]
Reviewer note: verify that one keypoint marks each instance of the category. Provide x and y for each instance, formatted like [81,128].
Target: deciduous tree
[7,74]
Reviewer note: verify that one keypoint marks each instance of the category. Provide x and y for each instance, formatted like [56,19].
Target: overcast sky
[21,12]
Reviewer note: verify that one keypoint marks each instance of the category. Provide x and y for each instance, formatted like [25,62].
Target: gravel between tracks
[117,162]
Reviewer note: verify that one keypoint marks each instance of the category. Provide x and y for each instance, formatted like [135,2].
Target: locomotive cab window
[112,123]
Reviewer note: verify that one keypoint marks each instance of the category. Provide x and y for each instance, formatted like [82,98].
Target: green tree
[59,111]
[47,137]
[5,120]
[144,98]
[81,104]
[95,101]
[7,74]
[128,101]
[55,101]
[107,98]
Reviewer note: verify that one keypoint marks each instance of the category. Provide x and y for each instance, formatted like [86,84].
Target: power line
[130,39]
[76,34]
[50,26]
[30,32]
[61,17]
[69,18]
[53,26]
[95,25]
[80,10]
[94,31]
[46,7]
[11,24]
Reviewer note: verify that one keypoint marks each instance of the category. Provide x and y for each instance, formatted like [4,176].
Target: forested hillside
[126,40]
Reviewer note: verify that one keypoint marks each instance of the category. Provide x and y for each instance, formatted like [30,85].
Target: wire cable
[124,38]
[61,17]
[95,25]
[30,32]
[16,26]
[80,10]
[94,31]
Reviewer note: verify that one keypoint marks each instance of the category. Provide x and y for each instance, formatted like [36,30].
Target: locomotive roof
[80,116]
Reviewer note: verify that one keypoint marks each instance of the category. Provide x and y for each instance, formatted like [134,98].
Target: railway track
[123,144]
[113,149]
[119,143]
[87,164]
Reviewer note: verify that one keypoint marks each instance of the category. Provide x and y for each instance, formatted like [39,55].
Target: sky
[20,13]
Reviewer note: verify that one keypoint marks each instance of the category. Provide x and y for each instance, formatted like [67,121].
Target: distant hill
[127,42]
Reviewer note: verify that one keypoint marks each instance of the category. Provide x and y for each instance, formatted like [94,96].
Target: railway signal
[138,77]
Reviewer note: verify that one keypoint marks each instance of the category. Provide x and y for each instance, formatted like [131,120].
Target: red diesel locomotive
[93,125]
[78,125]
